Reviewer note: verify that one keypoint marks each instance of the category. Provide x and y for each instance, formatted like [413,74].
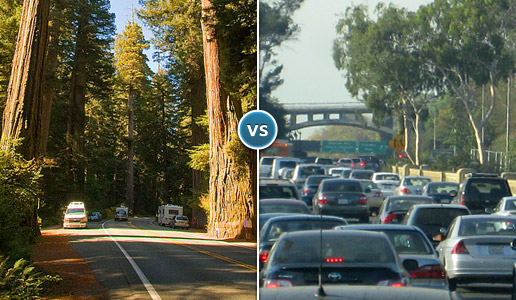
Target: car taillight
[362,164]
[392,282]
[391,218]
[405,191]
[307,191]
[276,283]
[430,271]
[460,248]
[462,200]
[363,199]
[322,199]
[263,256]
[352,165]
[334,259]
[378,194]
[85,219]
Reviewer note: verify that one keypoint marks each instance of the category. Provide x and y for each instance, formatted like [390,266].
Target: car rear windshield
[361,174]
[184,218]
[348,248]
[416,181]
[472,227]
[341,186]
[315,180]
[408,242]
[267,161]
[388,177]
[429,219]
[287,164]
[311,170]
[491,188]
[279,227]
[278,191]
[442,189]
[283,208]
[75,211]
[404,204]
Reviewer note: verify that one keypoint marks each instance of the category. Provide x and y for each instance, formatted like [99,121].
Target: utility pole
[508,131]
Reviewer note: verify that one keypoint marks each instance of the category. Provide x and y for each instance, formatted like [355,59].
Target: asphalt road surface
[139,259]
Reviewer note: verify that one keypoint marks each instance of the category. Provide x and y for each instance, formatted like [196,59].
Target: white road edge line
[146,283]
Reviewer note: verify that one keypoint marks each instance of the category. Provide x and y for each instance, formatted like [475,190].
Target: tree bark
[231,188]
[130,150]
[25,114]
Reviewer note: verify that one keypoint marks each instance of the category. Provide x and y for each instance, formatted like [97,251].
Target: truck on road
[122,213]
[167,212]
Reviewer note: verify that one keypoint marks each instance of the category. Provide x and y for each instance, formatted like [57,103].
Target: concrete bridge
[328,114]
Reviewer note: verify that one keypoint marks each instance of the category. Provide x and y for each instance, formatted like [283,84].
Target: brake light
[391,218]
[264,256]
[322,199]
[362,164]
[378,194]
[276,283]
[405,191]
[363,199]
[307,191]
[392,282]
[352,165]
[462,200]
[334,259]
[430,271]
[460,248]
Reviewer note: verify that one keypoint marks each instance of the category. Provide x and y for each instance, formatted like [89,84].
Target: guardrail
[412,170]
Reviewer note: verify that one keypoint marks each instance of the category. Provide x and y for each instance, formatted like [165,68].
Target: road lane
[178,264]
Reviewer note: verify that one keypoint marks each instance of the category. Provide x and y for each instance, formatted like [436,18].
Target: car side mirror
[489,210]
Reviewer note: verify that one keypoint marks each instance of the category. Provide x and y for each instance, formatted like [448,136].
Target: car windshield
[315,180]
[408,242]
[312,170]
[121,212]
[404,204]
[75,211]
[433,219]
[183,218]
[287,164]
[510,205]
[368,185]
[488,188]
[361,174]
[278,191]
[283,208]
[473,227]
[267,161]
[341,186]
[277,228]
[337,249]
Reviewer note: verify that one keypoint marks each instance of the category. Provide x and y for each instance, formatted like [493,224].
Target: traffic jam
[327,226]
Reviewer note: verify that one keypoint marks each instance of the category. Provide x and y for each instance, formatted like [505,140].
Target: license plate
[343,201]
[495,250]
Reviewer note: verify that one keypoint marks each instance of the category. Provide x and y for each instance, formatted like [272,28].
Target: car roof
[378,227]
[333,179]
[437,205]
[297,217]
[334,233]
[396,197]
[441,183]
[494,217]
[275,182]
[281,201]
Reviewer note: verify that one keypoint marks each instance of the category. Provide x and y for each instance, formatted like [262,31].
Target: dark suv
[481,192]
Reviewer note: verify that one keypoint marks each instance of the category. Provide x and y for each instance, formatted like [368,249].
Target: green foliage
[18,203]
[200,157]
[21,281]
[130,59]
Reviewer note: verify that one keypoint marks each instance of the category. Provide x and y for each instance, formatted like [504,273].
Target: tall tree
[132,68]
[470,53]
[10,13]
[23,114]
[230,92]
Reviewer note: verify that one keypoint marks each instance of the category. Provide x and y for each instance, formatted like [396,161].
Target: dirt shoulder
[54,254]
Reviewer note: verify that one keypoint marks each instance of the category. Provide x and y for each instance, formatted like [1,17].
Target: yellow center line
[214,255]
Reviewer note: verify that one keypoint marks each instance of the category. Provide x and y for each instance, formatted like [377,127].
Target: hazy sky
[308,70]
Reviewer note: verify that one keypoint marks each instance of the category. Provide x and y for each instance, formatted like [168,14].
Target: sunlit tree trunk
[25,114]
[231,186]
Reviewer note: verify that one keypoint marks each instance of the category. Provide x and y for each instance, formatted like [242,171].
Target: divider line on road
[214,255]
[146,283]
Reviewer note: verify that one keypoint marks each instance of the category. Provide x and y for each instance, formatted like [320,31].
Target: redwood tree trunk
[25,114]
[231,186]
[130,150]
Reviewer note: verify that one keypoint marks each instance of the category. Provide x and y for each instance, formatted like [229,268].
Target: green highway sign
[443,152]
[339,146]
[372,147]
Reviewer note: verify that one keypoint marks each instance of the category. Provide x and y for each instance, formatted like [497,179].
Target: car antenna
[320,290]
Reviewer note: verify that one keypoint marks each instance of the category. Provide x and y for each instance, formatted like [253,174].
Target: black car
[276,226]
[351,257]
[481,192]
[343,198]
[277,188]
[442,192]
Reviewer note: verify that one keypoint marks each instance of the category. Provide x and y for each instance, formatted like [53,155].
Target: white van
[75,216]
[167,212]
[283,162]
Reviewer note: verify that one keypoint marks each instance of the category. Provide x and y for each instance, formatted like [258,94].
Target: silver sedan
[477,248]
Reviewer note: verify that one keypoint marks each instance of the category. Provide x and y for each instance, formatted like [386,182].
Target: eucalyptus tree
[466,44]
[132,69]
[384,66]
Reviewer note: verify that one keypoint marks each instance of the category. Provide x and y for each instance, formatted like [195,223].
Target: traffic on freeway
[463,247]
